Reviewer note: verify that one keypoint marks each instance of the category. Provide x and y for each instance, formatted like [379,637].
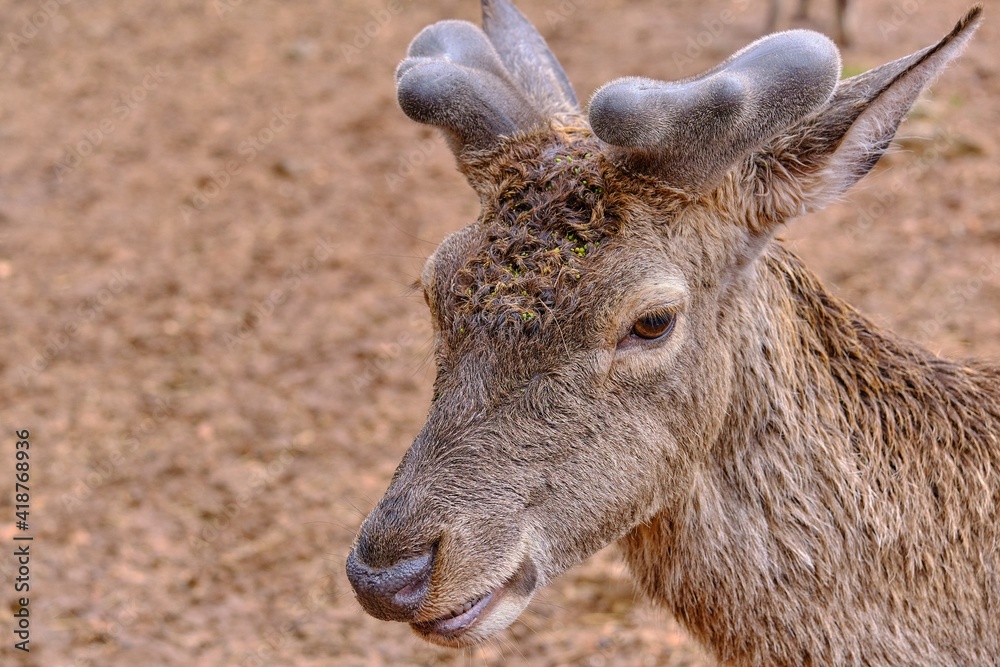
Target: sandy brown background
[210,213]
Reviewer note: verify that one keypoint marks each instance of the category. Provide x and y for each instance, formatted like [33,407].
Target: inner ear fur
[829,151]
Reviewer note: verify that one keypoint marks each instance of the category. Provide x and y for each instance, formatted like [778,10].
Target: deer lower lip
[458,621]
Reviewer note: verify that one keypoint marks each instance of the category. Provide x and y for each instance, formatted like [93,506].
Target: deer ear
[805,168]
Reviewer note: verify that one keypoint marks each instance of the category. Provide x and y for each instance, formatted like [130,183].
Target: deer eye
[654,326]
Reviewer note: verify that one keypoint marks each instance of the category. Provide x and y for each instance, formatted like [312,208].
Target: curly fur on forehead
[546,217]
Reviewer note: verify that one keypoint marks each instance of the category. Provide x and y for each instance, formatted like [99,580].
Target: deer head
[591,326]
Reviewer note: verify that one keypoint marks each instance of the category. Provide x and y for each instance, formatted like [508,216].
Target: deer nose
[394,593]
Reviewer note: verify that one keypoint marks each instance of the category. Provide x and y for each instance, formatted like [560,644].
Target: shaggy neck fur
[817,522]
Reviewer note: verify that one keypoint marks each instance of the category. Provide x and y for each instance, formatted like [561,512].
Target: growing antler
[478,86]
[527,57]
[689,132]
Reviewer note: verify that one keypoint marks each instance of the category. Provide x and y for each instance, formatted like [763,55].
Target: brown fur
[873,539]
[797,486]
[544,216]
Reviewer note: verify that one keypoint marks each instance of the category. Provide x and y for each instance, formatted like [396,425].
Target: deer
[627,353]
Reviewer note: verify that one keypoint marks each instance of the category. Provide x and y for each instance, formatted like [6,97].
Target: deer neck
[842,444]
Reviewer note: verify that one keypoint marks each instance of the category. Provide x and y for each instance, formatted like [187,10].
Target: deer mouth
[468,623]
[457,622]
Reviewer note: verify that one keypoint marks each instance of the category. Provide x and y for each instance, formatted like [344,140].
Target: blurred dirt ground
[210,216]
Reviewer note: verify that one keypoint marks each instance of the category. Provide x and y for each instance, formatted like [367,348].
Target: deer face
[566,408]
[587,325]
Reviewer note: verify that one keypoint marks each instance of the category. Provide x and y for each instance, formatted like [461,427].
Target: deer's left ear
[803,169]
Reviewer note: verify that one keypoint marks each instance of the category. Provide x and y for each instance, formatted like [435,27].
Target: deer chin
[485,615]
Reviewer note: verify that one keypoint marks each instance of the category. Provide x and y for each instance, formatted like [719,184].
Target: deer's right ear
[805,168]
